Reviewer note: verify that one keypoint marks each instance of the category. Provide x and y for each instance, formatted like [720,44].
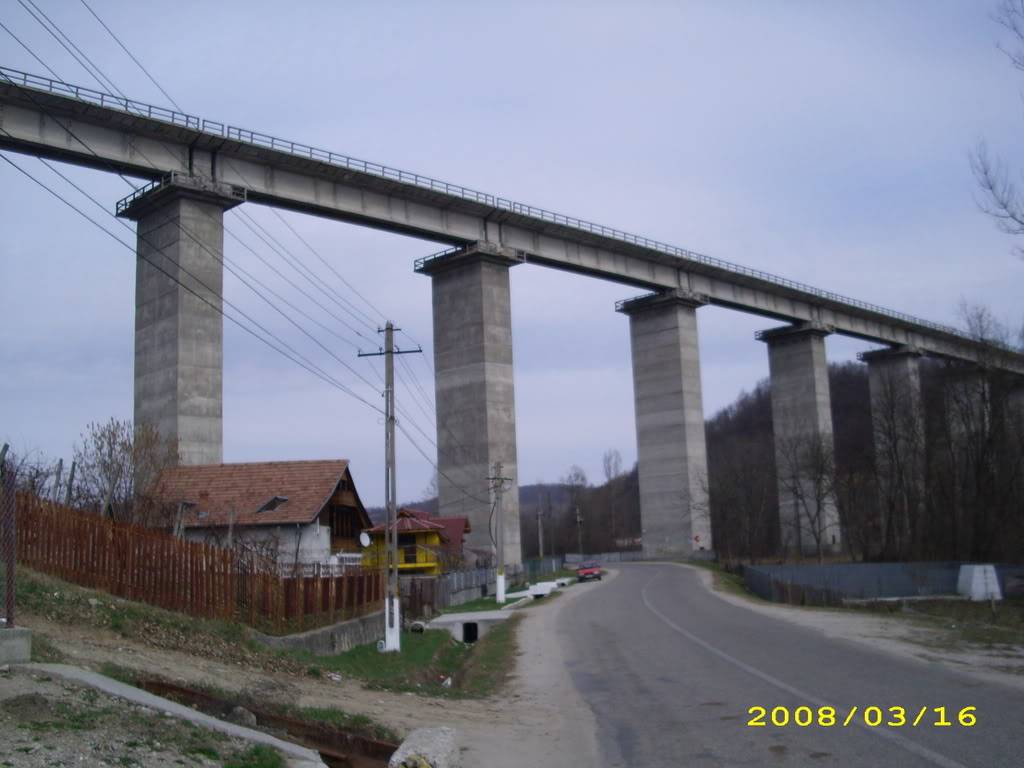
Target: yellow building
[420,545]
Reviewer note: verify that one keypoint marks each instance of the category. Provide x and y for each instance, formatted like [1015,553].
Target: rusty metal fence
[8,543]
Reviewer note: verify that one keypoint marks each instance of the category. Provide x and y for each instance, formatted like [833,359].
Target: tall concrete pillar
[672,456]
[178,335]
[1015,400]
[897,421]
[476,415]
[802,430]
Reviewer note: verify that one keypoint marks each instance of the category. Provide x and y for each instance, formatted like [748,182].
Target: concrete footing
[671,449]
[802,429]
[15,645]
[476,418]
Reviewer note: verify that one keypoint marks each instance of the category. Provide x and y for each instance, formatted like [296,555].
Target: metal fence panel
[830,583]
[8,544]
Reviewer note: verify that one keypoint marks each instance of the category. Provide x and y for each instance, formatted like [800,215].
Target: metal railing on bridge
[267,141]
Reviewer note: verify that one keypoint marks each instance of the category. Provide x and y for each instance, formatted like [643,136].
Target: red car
[588,570]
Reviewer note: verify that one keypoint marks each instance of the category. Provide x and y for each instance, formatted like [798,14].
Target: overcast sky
[823,142]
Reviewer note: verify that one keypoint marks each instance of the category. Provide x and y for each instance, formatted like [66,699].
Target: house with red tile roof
[420,543]
[455,530]
[297,512]
[426,545]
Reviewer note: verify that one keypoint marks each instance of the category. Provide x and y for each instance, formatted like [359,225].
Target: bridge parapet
[175,183]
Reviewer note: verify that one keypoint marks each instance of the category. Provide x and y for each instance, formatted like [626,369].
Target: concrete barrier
[327,641]
[978,582]
[470,626]
[15,645]
[427,748]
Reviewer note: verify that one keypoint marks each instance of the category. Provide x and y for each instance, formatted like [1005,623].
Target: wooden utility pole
[393,622]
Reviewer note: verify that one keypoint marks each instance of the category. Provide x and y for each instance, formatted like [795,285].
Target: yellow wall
[428,545]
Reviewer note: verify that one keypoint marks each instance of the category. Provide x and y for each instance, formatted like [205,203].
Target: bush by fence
[153,567]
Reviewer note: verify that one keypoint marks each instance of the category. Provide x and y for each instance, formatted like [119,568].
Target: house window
[273,503]
[407,543]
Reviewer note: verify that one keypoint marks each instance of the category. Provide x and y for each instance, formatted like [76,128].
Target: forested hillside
[955,491]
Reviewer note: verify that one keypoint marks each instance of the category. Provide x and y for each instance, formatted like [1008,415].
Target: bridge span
[199,168]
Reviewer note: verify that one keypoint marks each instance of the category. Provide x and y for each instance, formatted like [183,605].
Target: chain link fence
[8,544]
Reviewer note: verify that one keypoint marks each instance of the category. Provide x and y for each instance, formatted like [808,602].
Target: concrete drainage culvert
[338,747]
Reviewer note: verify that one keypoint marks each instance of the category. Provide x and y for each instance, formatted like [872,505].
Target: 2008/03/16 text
[872,717]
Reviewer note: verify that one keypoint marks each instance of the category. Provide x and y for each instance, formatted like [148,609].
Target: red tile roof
[219,489]
[455,528]
[412,524]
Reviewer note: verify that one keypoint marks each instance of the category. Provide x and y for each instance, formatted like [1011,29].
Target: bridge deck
[52,119]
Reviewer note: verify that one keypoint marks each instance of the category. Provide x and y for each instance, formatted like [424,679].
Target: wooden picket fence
[201,580]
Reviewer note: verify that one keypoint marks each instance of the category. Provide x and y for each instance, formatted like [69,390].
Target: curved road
[670,671]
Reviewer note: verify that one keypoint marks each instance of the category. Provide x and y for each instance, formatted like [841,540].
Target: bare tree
[430,491]
[576,480]
[1000,197]
[898,430]
[807,474]
[612,461]
[118,468]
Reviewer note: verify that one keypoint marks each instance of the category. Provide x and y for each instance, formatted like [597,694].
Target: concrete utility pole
[499,493]
[540,532]
[392,603]
[579,529]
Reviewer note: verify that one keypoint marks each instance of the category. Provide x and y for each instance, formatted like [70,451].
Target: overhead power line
[283,351]
[317,370]
[131,56]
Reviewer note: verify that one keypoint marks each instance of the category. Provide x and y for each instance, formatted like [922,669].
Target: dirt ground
[539,720]
[48,722]
[899,635]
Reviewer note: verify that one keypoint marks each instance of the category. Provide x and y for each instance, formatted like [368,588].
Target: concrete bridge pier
[1015,400]
[476,417]
[897,420]
[179,329]
[671,449]
[802,429]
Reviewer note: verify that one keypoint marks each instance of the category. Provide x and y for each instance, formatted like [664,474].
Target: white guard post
[501,588]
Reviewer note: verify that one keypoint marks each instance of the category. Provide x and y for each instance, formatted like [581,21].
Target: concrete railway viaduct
[200,168]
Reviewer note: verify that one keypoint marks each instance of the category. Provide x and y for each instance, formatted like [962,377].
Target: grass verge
[58,601]
[725,580]
[429,659]
[961,624]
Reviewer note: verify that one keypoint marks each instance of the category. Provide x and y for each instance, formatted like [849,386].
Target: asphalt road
[670,671]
